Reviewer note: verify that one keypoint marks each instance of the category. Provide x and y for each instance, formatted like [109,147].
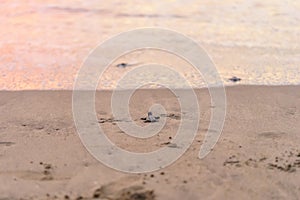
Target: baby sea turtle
[235,79]
[150,118]
[124,64]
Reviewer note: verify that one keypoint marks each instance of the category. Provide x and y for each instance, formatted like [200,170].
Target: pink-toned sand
[257,156]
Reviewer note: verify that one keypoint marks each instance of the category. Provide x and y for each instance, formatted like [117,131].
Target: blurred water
[43,43]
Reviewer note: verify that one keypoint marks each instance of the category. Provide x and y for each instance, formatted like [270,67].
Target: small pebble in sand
[46,172]
[48,166]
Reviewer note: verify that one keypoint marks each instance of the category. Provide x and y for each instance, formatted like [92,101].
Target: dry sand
[257,156]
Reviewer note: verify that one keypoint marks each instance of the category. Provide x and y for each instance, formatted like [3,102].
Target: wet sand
[44,43]
[257,156]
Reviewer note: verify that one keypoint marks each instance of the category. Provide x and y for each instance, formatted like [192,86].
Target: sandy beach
[257,156]
[46,50]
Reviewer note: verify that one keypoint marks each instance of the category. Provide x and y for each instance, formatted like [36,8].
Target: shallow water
[43,43]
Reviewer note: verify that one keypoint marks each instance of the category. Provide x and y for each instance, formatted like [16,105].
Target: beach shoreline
[256,157]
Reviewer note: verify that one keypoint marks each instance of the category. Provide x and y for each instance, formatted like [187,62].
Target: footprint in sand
[7,143]
[271,134]
[132,193]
